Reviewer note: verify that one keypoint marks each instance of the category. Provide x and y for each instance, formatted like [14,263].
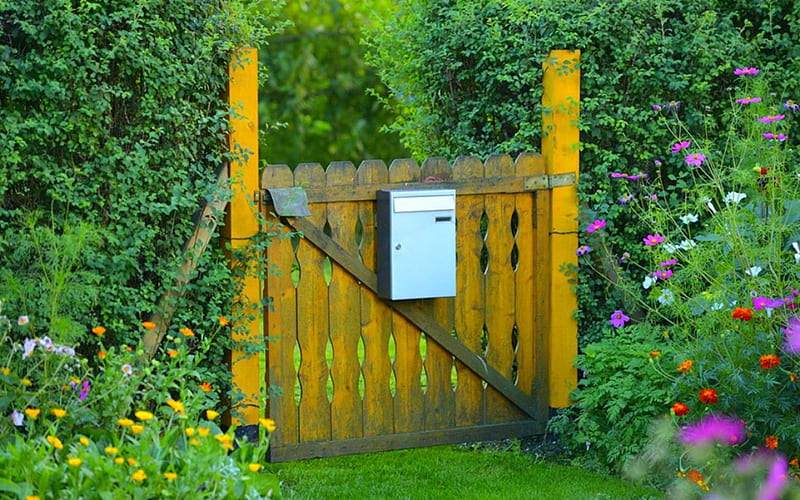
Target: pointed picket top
[436,169]
[468,167]
[405,170]
[277,176]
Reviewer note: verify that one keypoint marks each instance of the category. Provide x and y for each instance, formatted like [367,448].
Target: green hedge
[466,75]
[114,115]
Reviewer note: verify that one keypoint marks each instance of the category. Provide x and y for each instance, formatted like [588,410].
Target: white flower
[666,297]
[716,306]
[649,281]
[22,320]
[28,347]
[753,271]
[17,418]
[796,247]
[669,247]
[689,218]
[710,206]
[687,244]
[733,198]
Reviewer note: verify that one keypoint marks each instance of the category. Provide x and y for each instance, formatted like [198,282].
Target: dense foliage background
[113,122]
[466,78]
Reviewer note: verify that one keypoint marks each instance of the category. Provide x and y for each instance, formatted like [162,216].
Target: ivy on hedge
[114,114]
[466,77]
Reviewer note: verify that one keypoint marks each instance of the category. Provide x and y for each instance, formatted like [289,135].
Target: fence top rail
[468,176]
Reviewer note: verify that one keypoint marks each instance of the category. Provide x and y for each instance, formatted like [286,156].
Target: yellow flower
[137,429]
[119,460]
[170,476]
[75,462]
[177,406]
[139,475]
[111,450]
[254,467]
[132,461]
[99,331]
[172,353]
[224,440]
[26,382]
[203,431]
[268,424]
[32,412]
[58,412]
[84,440]
[148,325]
[30,497]
[211,414]
[55,442]
[187,332]
[195,442]
[189,431]
[143,415]
[5,371]
[125,422]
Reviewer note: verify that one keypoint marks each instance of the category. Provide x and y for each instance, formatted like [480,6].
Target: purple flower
[746,71]
[791,106]
[618,319]
[748,100]
[667,263]
[596,225]
[625,256]
[17,418]
[673,105]
[771,118]
[583,250]
[657,163]
[776,137]
[714,428]
[28,347]
[654,197]
[656,107]
[652,240]
[625,199]
[663,274]
[766,303]
[792,331]
[617,175]
[85,387]
[695,159]
[778,473]
[680,145]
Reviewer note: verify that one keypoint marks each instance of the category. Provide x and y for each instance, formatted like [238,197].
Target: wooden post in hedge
[241,224]
[560,100]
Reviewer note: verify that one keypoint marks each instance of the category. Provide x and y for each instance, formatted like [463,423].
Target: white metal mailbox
[416,244]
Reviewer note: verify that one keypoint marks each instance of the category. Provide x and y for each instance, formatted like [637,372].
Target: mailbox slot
[416,239]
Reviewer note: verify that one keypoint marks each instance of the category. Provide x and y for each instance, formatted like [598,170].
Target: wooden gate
[363,374]
[359,373]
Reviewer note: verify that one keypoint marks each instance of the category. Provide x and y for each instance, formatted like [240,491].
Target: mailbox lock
[397,247]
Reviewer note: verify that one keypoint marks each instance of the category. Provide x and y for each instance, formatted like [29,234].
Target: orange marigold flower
[172,353]
[187,332]
[708,396]
[771,442]
[205,387]
[742,313]
[769,361]
[654,354]
[148,325]
[795,462]
[99,331]
[696,477]
[680,409]
[685,366]
[101,354]
[223,321]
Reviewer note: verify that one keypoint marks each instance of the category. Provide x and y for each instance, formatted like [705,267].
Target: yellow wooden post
[560,99]
[242,223]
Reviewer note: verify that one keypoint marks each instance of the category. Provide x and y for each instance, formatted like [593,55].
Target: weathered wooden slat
[376,318]
[312,322]
[469,311]
[405,440]
[344,313]
[541,279]
[279,323]
[409,402]
[411,311]
[490,185]
[499,287]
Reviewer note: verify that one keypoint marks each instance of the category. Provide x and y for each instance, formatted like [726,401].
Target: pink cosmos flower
[695,159]
[771,118]
[667,263]
[680,145]
[777,137]
[596,225]
[792,331]
[748,100]
[618,319]
[714,429]
[746,71]
[652,240]
[663,274]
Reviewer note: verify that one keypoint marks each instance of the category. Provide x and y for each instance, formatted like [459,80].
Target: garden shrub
[466,78]
[114,115]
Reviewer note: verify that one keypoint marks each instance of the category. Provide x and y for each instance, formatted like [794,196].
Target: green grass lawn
[448,472]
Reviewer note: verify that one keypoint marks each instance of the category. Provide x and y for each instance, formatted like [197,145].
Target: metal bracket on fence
[288,201]
[549,181]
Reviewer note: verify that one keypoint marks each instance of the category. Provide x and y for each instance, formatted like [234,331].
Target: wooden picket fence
[360,373]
